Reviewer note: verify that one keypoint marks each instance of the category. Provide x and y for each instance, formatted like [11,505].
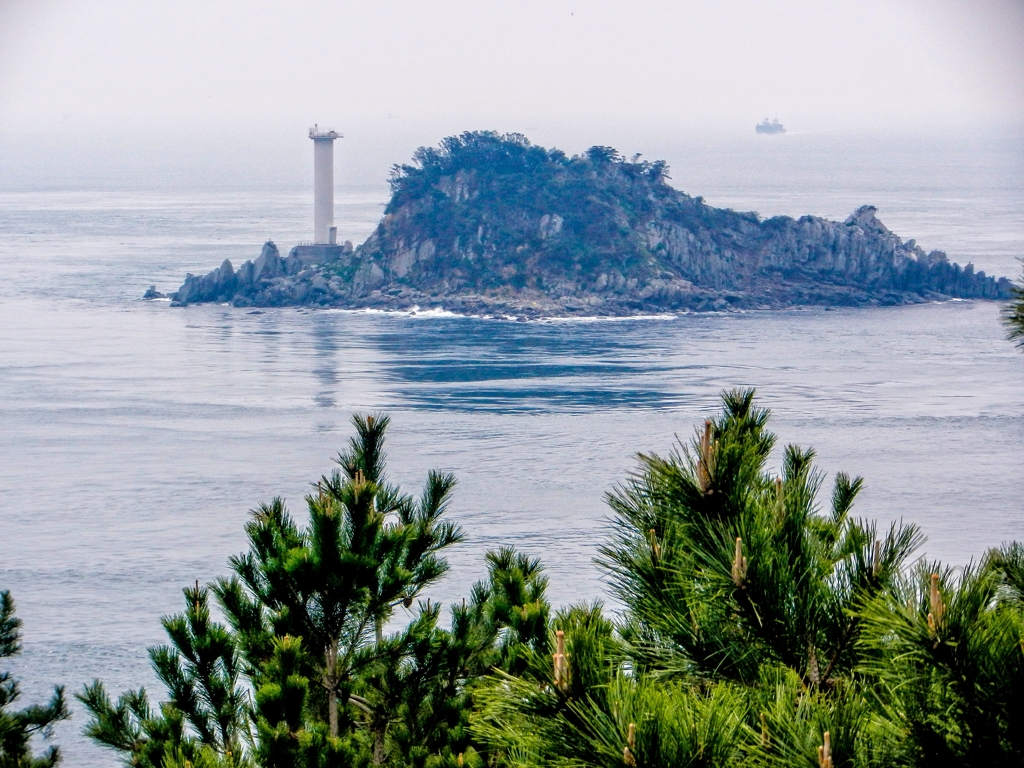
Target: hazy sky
[818,64]
[255,72]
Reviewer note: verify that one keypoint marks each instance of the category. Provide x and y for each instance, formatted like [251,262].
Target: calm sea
[136,437]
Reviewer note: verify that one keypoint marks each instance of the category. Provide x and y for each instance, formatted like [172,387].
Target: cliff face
[490,223]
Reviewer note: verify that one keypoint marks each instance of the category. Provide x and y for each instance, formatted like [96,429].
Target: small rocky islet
[490,224]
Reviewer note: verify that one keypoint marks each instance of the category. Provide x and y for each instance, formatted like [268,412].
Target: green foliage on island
[756,628]
[480,197]
[19,726]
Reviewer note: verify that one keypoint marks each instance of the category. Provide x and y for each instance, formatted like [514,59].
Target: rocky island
[490,224]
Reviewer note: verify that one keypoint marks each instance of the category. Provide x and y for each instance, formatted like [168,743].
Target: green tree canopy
[304,672]
[755,623]
[1013,315]
[18,726]
[759,629]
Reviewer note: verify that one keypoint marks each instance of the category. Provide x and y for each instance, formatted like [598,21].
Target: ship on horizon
[770,126]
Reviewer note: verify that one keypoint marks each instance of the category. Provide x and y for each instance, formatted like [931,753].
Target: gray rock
[268,265]
[245,274]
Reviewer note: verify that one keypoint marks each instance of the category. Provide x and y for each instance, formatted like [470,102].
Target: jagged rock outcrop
[268,281]
[492,224]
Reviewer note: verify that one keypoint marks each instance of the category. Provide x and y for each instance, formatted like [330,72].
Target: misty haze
[589,273]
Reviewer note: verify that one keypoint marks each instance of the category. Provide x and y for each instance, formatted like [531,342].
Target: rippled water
[136,436]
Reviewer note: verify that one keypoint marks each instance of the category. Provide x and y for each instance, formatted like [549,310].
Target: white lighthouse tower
[324,231]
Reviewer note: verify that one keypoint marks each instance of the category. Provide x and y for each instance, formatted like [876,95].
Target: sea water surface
[136,436]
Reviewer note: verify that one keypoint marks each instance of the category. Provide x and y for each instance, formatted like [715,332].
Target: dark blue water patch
[525,399]
[472,337]
[454,371]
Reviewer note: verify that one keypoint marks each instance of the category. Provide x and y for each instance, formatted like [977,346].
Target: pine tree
[1013,314]
[17,727]
[725,568]
[740,639]
[368,549]
[307,610]
[207,710]
[403,698]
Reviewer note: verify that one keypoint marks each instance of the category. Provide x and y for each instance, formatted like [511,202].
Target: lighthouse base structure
[319,253]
